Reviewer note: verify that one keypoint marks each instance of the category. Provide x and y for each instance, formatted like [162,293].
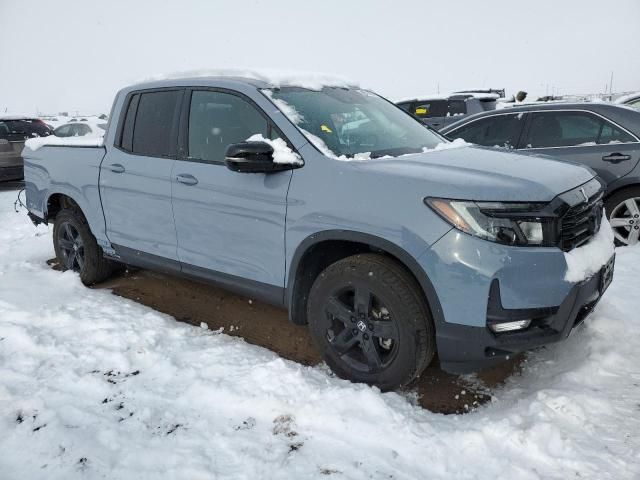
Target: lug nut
[366,337]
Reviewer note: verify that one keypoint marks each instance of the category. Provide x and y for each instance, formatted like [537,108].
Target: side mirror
[252,157]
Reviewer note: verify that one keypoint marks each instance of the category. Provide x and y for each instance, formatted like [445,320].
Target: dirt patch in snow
[268,326]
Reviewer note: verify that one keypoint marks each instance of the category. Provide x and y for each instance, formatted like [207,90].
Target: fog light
[509,326]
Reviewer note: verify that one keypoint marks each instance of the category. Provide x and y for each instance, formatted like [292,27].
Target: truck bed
[68,167]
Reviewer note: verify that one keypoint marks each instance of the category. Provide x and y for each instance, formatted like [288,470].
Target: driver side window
[218,119]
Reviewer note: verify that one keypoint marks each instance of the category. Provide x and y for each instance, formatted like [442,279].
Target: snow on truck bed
[86,141]
[97,386]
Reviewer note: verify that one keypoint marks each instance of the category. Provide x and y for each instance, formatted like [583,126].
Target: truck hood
[478,173]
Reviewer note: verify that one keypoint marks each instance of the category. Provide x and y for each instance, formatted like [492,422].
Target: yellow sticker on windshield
[421,111]
[324,128]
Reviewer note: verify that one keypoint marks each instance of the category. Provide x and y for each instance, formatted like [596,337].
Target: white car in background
[81,129]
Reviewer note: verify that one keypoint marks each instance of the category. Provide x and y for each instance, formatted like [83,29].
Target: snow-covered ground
[96,386]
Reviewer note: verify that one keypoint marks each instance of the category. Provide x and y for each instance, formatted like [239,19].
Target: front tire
[623,212]
[369,320]
[76,248]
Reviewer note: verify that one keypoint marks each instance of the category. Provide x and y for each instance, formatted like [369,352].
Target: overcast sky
[74,55]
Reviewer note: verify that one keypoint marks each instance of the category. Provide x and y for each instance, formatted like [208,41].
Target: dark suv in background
[438,111]
[602,136]
[14,130]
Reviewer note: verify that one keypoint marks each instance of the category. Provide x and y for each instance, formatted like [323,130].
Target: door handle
[186,179]
[616,158]
[116,168]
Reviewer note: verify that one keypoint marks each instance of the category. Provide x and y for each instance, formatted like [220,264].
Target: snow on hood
[281,151]
[85,141]
[483,174]
[276,78]
[587,260]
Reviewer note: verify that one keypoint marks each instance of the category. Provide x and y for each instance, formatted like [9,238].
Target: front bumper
[477,283]
[463,349]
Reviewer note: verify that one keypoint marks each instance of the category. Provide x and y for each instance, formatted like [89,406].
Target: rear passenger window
[562,129]
[612,134]
[566,129]
[218,119]
[154,134]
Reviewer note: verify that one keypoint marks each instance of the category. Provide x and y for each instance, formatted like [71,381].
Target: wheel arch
[321,249]
[620,186]
[57,201]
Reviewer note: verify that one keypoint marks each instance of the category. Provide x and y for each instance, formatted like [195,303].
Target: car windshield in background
[354,121]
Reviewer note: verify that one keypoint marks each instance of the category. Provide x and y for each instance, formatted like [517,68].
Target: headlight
[507,223]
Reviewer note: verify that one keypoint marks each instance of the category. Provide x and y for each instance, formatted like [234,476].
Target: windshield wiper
[394,152]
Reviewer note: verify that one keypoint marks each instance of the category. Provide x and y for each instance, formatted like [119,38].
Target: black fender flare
[378,243]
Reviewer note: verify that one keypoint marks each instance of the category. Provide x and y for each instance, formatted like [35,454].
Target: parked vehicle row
[244,183]
[14,130]
[439,111]
[602,136]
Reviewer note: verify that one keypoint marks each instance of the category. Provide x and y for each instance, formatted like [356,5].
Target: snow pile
[276,78]
[86,141]
[281,151]
[587,260]
[97,386]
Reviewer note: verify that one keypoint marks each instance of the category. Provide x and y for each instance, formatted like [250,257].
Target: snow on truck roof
[260,78]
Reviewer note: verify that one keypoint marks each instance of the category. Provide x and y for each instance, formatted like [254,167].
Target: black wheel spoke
[344,341]
[68,231]
[371,354]
[80,259]
[339,310]
[362,301]
[71,260]
[384,329]
[66,245]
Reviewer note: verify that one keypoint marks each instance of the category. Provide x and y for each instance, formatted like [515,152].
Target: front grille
[581,222]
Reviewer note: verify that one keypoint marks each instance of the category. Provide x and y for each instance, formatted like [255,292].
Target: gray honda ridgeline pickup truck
[389,242]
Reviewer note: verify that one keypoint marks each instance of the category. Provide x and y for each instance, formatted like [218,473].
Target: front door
[135,177]
[583,137]
[230,225]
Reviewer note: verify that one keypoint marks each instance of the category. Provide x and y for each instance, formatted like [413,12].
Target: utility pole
[611,83]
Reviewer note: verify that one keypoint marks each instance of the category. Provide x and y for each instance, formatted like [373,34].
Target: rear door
[135,177]
[583,137]
[230,225]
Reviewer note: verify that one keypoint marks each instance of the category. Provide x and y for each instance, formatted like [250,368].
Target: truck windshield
[350,121]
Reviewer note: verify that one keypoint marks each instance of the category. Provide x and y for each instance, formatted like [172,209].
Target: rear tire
[623,212]
[76,248]
[369,320]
